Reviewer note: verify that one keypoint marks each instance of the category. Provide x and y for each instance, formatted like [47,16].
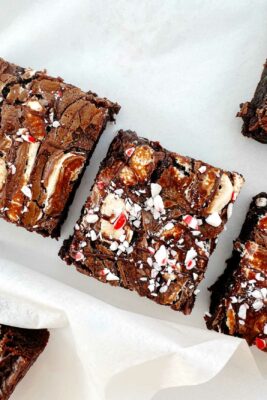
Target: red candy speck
[79,256]
[31,139]
[233,198]
[260,343]
[120,221]
[129,151]
[100,185]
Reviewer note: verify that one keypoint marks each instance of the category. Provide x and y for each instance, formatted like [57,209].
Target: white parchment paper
[179,69]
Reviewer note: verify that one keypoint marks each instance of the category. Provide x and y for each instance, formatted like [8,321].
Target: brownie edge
[19,349]
[254,112]
[239,297]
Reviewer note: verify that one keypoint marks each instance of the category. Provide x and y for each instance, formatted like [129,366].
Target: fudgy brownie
[48,132]
[152,221]
[19,349]
[239,297]
[254,113]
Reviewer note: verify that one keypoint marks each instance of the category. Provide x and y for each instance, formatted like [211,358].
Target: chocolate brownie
[239,297]
[19,349]
[152,221]
[254,113]
[48,132]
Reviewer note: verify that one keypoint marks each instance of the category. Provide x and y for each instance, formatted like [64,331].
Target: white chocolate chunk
[223,195]
[3,173]
[35,105]
[33,148]
[53,177]
[112,206]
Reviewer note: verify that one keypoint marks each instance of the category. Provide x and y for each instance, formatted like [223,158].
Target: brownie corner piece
[19,349]
[254,113]
[152,221]
[48,132]
[239,297]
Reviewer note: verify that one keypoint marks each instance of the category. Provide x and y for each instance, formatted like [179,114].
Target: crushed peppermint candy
[120,221]
[242,313]
[79,256]
[163,289]
[261,343]
[190,261]
[155,189]
[93,235]
[257,305]
[214,220]
[114,246]
[26,191]
[129,152]
[56,124]
[202,169]
[161,255]
[192,222]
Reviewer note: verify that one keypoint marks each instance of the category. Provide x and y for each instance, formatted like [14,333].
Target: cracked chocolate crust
[19,349]
[152,221]
[239,297]
[254,113]
[48,132]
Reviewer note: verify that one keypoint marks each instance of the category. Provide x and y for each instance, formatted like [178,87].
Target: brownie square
[48,132]
[239,297]
[19,349]
[254,113]
[152,221]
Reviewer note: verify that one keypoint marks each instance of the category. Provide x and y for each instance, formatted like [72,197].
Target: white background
[179,69]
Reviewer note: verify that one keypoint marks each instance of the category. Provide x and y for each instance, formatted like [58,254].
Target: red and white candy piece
[120,221]
[261,343]
[79,256]
[190,261]
[161,255]
[191,221]
[129,152]
[28,138]
[234,196]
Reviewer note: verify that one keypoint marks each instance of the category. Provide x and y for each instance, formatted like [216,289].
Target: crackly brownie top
[47,129]
[244,304]
[254,113]
[19,348]
[160,212]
